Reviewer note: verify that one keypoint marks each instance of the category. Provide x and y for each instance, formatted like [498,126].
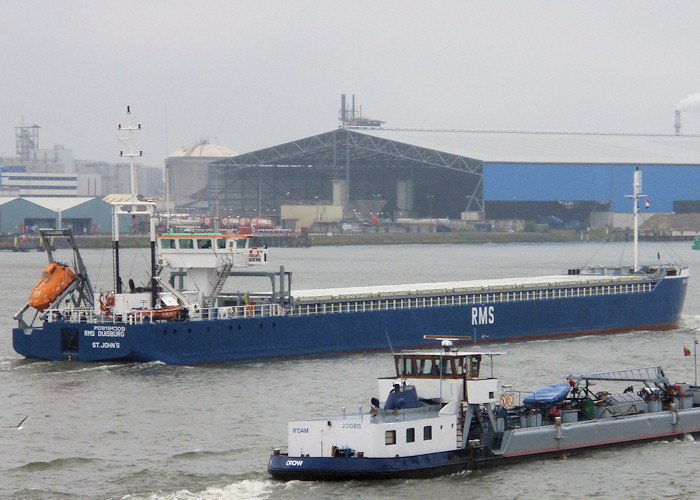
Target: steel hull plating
[216,341]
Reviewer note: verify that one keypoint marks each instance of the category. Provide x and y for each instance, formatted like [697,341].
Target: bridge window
[186,244]
[389,437]
[221,243]
[204,244]
[167,243]
[241,243]
[427,433]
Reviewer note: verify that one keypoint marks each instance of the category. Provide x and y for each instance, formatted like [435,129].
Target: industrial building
[457,174]
[54,173]
[81,214]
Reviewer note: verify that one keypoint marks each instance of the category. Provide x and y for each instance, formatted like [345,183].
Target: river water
[150,431]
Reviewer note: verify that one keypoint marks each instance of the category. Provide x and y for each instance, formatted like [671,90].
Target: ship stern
[64,341]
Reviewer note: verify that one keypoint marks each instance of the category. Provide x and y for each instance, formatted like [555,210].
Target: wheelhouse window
[447,367]
[203,244]
[405,367]
[241,243]
[424,366]
[389,437]
[167,243]
[410,435]
[221,243]
[471,366]
[427,433]
[186,244]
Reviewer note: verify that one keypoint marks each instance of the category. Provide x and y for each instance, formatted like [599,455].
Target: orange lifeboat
[166,313]
[54,280]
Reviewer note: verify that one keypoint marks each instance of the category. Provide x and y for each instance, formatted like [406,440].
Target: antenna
[387,339]
[167,168]
[695,353]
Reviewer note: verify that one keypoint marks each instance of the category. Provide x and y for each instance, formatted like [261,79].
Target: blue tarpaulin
[550,394]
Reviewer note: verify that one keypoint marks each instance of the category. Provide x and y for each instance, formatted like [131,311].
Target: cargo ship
[184,316]
[441,413]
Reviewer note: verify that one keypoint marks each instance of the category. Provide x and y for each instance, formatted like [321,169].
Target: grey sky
[250,74]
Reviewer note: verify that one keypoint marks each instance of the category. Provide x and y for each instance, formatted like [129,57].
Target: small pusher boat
[440,414]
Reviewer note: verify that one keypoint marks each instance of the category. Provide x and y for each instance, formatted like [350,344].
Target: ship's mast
[133,207]
[129,143]
[635,210]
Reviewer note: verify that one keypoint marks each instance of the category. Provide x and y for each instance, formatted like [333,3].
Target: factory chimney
[677,124]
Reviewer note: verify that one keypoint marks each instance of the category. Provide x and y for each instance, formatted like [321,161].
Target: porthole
[239,327]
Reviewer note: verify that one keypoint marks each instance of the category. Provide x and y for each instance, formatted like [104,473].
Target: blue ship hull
[222,340]
[320,468]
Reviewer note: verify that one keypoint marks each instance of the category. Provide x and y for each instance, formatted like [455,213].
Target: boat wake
[245,489]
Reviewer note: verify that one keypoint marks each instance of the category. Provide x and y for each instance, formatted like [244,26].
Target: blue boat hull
[216,341]
[320,468]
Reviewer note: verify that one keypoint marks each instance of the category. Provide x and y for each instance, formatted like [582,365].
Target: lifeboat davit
[54,280]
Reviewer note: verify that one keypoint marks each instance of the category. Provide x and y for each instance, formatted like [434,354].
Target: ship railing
[196,313]
[136,317]
[80,315]
[83,315]
[516,400]
[242,311]
[387,304]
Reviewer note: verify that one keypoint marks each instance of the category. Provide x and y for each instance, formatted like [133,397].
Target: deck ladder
[219,285]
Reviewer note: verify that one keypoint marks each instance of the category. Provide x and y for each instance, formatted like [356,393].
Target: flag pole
[695,349]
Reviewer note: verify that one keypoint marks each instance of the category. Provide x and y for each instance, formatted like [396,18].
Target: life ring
[254,252]
[249,310]
[507,400]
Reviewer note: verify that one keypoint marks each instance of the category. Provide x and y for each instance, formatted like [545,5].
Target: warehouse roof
[56,204]
[550,147]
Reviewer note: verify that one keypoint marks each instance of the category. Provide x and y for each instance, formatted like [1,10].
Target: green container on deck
[588,408]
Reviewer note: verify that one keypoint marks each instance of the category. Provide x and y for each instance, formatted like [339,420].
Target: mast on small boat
[635,210]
